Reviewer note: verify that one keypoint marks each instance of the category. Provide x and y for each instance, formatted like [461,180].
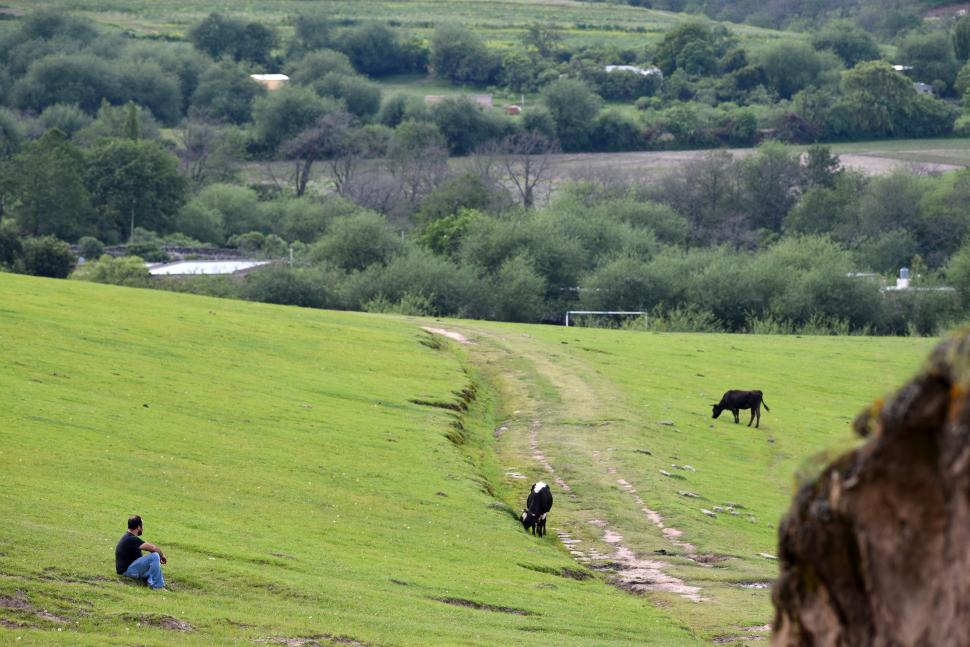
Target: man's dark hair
[133,522]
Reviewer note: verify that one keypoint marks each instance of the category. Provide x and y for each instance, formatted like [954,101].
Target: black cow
[734,401]
[536,508]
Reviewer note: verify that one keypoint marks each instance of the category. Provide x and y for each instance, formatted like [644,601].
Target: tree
[361,96]
[220,36]
[542,38]
[316,64]
[129,271]
[283,114]
[225,93]
[931,56]
[48,256]
[332,136]
[464,124]
[461,56]
[134,183]
[356,242]
[850,43]
[690,47]
[525,162]
[48,189]
[961,39]
[417,157]
[792,66]
[66,117]
[573,107]
[208,152]
[82,79]
[822,168]
[376,50]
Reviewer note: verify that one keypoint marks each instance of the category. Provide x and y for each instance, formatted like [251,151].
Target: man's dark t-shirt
[127,551]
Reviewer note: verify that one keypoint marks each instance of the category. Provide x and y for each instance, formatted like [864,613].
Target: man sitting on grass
[129,560]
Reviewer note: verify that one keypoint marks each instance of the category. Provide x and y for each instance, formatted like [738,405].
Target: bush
[90,248]
[48,256]
[517,291]
[66,117]
[307,288]
[129,271]
[356,242]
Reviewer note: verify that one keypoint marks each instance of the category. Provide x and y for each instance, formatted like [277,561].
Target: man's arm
[152,548]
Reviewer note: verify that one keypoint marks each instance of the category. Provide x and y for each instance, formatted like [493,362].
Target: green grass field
[278,456]
[500,22]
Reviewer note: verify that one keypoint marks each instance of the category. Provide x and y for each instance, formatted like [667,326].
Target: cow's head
[529,519]
[717,410]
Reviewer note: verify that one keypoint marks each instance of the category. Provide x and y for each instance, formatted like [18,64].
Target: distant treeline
[112,140]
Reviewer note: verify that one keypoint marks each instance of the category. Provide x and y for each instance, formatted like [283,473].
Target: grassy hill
[312,475]
[500,22]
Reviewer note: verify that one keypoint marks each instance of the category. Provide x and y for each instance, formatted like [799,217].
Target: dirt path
[573,397]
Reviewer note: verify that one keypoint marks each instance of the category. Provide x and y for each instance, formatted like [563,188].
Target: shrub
[129,271]
[48,256]
[90,247]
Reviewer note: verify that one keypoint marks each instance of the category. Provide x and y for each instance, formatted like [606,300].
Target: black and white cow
[734,401]
[536,508]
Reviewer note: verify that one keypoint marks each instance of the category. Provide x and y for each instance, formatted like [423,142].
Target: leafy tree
[90,247]
[877,101]
[573,107]
[961,39]
[464,124]
[377,50]
[134,183]
[283,114]
[220,36]
[66,117]
[48,189]
[361,97]
[237,207]
[81,79]
[461,56]
[690,47]
[356,242]
[11,249]
[850,43]
[463,192]
[544,39]
[792,66]
[931,56]
[147,84]
[517,291]
[444,235]
[317,64]
[614,131]
[311,31]
[331,137]
[225,93]
[48,256]
[307,220]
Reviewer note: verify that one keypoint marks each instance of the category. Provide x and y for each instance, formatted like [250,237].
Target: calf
[536,508]
[734,401]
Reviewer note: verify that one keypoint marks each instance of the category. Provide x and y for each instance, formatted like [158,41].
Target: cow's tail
[766,404]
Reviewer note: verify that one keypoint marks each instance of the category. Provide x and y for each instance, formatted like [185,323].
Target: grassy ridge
[276,456]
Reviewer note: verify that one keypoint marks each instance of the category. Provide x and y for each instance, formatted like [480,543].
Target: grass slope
[610,405]
[276,456]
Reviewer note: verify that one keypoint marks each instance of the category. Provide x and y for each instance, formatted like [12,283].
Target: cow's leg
[737,415]
[753,409]
[757,412]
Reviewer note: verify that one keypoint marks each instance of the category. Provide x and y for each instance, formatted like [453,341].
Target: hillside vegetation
[291,466]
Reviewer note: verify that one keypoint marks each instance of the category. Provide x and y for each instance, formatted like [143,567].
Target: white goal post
[602,312]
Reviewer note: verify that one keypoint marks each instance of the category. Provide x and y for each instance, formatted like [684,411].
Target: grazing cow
[536,508]
[734,401]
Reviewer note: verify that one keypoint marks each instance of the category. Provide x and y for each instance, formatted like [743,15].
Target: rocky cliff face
[876,551]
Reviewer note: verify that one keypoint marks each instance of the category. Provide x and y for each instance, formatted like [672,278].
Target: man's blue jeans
[149,568]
